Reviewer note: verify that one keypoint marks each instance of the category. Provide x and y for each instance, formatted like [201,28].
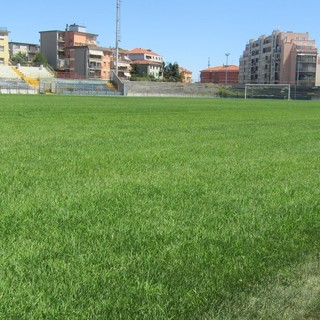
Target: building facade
[186,75]
[74,53]
[220,75]
[29,49]
[93,62]
[280,58]
[4,46]
[148,62]
[55,45]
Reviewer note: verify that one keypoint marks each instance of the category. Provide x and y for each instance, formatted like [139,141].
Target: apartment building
[279,58]
[93,62]
[29,49]
[55,44]
[147,61]
[74,53]
[4,46]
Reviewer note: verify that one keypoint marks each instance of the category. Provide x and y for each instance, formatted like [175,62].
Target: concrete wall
[149,88]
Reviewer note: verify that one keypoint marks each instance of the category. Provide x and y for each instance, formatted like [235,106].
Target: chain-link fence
[77,87]
[9,86]
[291,92]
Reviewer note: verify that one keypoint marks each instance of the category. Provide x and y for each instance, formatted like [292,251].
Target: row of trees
[171,73]
[23,59]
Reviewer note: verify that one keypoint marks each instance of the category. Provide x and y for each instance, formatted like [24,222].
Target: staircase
[111,86]
[31,81]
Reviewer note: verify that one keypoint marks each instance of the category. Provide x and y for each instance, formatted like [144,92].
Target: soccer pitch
[149,208]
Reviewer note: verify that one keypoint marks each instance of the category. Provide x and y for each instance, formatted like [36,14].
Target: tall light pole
[298,70]
[226,77]
[117,36]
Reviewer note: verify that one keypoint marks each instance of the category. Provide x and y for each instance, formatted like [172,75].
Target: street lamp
[226,77]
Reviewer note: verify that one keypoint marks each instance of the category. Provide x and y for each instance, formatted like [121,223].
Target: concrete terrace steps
[77,87]
[31,81]
[7,72]
[36,72]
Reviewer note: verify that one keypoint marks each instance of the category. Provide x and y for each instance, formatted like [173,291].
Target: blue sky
[184,31]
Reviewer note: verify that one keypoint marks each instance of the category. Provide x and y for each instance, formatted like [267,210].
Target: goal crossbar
[267,86]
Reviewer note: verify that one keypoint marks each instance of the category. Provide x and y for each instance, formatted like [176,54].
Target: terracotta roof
[144,51]
[185,70]
[148,62]
[221,68]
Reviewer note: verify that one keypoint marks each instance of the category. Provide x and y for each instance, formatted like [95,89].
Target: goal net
[267,91]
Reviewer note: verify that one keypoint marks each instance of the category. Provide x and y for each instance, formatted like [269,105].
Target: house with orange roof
[186,75]
[221,75]
[148,62]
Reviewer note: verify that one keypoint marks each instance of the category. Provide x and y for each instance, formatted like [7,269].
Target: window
[1,48]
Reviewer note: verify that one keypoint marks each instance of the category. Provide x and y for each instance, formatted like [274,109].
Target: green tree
[135,72]
[40,59]
[21,58]
[171,72]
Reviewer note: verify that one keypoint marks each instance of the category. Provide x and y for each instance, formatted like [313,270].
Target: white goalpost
[267,91]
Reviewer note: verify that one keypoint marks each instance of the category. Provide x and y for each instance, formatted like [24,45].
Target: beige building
[29,49]
[4,46]
[148,62]
[280,58]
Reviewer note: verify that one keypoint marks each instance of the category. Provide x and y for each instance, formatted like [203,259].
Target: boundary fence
[137,88]
[77,87]
[10,86]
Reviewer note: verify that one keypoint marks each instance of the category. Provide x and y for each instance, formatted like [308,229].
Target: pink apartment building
[280,58]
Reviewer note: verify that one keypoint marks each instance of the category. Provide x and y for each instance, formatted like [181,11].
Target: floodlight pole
[226,77]
[298,70]
[117,37]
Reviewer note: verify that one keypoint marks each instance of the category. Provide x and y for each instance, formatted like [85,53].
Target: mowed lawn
[153,208]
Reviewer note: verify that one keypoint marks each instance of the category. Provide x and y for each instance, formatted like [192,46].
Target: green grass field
[148,208]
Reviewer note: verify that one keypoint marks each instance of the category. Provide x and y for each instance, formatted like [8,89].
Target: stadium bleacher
[11,82]
[83,87]
[23,79]
[6,72]
[36,72]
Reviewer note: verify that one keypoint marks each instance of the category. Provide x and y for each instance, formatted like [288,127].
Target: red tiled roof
[144,51]
[184,70]
[221,68]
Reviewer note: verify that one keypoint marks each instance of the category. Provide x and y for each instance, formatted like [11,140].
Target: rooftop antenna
[117,36]
[209,62]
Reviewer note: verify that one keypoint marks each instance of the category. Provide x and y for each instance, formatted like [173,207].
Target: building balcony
[61,63]
[94,66]
[89,41]
[94,74]
[94,59]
